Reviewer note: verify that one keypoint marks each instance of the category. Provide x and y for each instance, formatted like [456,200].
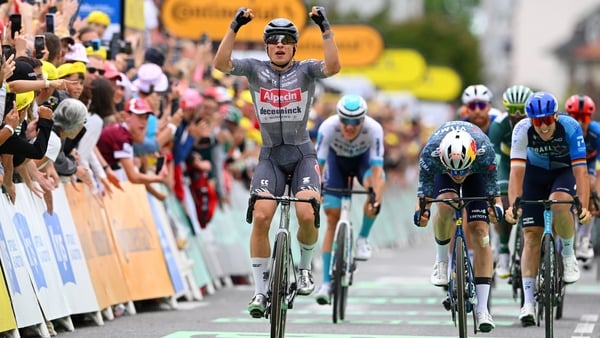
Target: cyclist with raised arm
[458,155]
[349,144]
[500,134]
[282,90]
[547,161]
[581,108]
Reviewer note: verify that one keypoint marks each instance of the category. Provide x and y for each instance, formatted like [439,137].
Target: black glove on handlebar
[321,20]
[239,20]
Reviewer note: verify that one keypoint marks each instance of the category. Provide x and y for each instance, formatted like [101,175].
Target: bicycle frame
[342,254]
[281,292]
[550,285]
[461,284]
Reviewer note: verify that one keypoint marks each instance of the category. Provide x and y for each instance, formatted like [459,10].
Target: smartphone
[7,51]
[203,38]
[39,44]
[96,44]
[52,9]
[15,24]
[9,102]
[160,162]
[50,23]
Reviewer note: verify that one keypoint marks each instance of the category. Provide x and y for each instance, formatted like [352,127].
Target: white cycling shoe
[439,275]
[571,273]
[363,249]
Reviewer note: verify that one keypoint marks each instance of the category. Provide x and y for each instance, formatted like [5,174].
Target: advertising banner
[68,252]
[137,242]
[8,321]
[98,247]
[43,266]
[15,265]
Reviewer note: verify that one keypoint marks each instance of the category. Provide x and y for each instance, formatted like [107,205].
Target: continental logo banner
[358,45]
[190,18]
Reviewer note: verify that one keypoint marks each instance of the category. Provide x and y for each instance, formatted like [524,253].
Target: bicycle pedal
[447,304]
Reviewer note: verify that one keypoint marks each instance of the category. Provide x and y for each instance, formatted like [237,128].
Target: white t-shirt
[54,145]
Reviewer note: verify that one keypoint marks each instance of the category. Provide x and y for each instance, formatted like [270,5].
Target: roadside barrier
[91,255]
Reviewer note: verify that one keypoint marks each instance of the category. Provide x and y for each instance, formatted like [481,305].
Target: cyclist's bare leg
[530,260]
[483,261]
[564,224]
[260,247]
[307,233]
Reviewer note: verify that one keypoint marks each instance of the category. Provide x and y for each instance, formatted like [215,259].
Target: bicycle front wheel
[548,283]
[279,286]
[461,299]
[560,287]
[340,291]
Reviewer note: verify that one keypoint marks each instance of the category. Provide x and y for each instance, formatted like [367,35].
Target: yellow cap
[49,70]
[101,53]
[24,99]
[67,69]
[98,17]
[245,97]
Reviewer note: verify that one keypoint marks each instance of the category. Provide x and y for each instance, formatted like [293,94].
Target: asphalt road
[391,297]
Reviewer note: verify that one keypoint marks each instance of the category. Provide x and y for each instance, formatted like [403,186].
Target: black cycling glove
[239,20]
[320,19]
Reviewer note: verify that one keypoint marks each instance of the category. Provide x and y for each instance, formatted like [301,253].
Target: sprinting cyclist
[500,134]
[581,108]
[282,90]
[458,155]
[547,160]
[351,145]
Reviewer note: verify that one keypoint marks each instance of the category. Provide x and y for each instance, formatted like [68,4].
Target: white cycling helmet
[352,106]
[477,92]
[457,150]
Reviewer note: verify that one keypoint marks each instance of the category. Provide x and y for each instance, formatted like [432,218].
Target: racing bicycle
[343,263]
[461,297]
[283,280]
[550,286]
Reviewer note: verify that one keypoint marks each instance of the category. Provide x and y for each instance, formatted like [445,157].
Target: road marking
[214,334]
[585,327]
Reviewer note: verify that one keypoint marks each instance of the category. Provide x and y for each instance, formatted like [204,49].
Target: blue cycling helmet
[541,104]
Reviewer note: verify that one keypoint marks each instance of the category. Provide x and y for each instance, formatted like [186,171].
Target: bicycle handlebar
[316,205]
[457,203]
[348,192]
[547,203]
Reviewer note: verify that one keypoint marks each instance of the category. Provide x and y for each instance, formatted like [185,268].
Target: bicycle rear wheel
[561,288]
[279,286]
[548,283]
[516,280]
[461,299]
[340,291]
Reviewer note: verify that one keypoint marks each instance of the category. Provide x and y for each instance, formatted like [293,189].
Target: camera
[117,45]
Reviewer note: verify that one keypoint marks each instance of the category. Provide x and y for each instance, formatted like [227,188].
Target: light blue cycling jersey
[370,138]
[565,149]
[431,165]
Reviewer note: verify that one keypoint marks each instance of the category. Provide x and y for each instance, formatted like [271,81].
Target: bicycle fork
[450,303]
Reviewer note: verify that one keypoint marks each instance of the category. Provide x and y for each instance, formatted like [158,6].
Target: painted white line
[589,318]
[586,328]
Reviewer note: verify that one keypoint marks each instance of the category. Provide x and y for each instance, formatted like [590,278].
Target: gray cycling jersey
[282,100]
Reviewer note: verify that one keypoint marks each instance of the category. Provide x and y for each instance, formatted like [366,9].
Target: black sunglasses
[93,70]
[284,39]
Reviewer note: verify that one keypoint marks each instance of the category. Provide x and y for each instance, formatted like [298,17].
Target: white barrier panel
[16,269]
[167,242]
[68,254]
[43,267]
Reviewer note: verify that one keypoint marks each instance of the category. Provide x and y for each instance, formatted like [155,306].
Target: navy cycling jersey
[592,146]
[565,149]
[431,165]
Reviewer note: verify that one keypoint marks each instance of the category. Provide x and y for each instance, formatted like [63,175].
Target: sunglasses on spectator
[284,39]
[477,104]
[463,172]
[93,70]
[582,118]
[515,111]
[351,122]
[538,121]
